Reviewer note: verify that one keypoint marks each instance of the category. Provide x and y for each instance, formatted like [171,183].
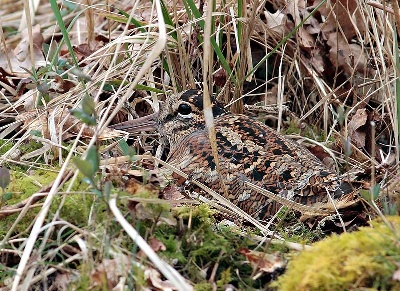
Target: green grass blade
[168,19]
[134,21]
[191,9]
[61,24]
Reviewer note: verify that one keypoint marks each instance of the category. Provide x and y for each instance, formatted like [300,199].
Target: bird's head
[183,114]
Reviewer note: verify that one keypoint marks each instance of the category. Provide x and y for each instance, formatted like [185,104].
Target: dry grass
[329,80]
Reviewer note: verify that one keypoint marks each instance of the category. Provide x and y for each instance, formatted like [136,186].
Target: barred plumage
[248,151]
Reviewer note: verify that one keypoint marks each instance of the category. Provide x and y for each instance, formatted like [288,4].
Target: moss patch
[75,209]
[366,258]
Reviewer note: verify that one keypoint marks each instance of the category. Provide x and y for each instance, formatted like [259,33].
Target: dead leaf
[350,57]
[146,212]
[16,65]
[154,277]
[396,274]
[265,262]
[62,281]
[357,135]
[220,77]
[344,13]
[318,151]
[109,272]
[156,246]
[150,211]
[20,58]
[21,51]
[135,187]
[62,86]
[312,25]
[304,38]
[171,192]
[317,60]
[275,21]
[83,51]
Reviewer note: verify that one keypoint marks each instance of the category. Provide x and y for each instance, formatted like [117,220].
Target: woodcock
[248,151]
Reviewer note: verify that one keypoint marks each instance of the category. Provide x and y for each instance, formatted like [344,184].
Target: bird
[249,153]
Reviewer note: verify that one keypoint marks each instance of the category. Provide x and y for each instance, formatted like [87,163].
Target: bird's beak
[145,123]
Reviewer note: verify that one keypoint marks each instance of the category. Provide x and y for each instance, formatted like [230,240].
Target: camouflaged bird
[248,152]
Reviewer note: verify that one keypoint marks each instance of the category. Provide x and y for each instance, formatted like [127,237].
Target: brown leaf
[110,271]
[220,77]
[304,38]
[156,246]
[144,211]
[275,21]
[62,281]
[356,134]
[316,60]
[21,51]
[172,192]
[134,187]
[312,25]
[396,275]
[350,57]
[83,51]
[267,263]
[344,13]
[318,151]
[17,65]
[62,86]
[154,277]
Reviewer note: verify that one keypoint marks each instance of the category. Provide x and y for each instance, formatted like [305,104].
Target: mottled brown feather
[250,155]
[248,150]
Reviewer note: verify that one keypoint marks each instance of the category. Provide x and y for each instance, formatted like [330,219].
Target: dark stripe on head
[195,97]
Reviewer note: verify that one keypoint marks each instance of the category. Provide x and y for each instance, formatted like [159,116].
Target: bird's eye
[184,109]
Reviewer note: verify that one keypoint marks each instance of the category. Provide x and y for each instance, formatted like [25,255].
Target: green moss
[5,146]
[203,287]
[21,187]
[83,283]
[225,278]
[28,183]
[291,229]
[365,258]
[173,250]
[30,146]
[197,250]
[311,131]
[75,209]
[292,128]
[199,215]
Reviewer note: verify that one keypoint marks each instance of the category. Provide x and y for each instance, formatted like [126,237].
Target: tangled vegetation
[85,206]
